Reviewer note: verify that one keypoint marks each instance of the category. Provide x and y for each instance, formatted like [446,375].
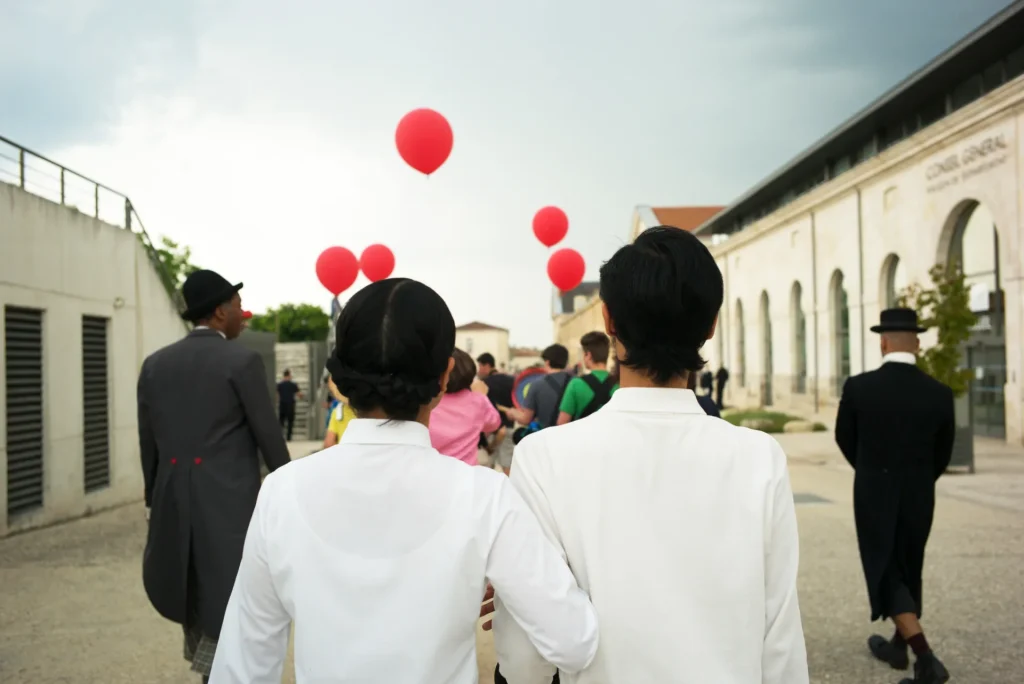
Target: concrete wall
[67,264]
[899,203]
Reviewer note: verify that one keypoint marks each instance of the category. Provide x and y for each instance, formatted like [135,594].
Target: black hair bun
[393,343]
[395,395]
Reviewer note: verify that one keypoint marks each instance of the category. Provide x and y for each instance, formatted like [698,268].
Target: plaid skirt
[199,650]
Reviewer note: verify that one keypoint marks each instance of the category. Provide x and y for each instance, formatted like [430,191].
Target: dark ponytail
[393,342]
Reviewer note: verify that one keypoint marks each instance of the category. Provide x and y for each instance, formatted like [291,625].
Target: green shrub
[774,421]
[946,307]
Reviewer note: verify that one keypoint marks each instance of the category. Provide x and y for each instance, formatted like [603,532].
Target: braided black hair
[393,342]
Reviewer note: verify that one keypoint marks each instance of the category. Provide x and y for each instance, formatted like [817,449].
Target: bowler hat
[203,292]
[898,320]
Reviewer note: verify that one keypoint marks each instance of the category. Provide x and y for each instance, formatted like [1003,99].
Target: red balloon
[550,225]
[566,269]
[424,139]
[377,262]
[337,268]
[246,315]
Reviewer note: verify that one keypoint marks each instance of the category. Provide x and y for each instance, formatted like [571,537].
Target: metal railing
[45,178]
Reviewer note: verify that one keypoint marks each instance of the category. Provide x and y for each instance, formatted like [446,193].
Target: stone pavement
[72,608]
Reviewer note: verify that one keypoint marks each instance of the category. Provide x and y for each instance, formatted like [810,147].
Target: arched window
[839,312]
[893,282]
[799,335]
[719,347]
[741,349]
[974,248]
[766,350]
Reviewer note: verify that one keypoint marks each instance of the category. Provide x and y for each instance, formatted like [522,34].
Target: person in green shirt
[587,393]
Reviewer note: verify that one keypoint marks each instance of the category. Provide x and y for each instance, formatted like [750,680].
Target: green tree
[294,323]
[177,259]
[946,307]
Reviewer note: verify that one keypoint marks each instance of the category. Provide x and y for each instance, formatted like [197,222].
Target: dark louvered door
[95,403]
[23,369]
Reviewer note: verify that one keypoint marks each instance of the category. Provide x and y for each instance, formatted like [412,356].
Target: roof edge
[975,35]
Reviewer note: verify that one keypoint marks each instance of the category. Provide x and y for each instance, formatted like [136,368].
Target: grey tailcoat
[204,410]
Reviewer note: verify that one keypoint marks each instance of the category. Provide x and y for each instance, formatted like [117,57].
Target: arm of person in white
[784,658]
[544,620]
[253,640]
[520,658]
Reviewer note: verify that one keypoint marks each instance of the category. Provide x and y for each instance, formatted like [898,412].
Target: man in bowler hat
[895,426]
[204,413]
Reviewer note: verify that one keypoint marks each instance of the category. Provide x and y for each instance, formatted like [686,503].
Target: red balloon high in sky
[377,262]
[550,225]
[566,269]
[337,268]
[424,139]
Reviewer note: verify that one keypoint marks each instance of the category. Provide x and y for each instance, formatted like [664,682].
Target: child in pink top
[462,414]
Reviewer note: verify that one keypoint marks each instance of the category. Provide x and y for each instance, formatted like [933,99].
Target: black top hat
[898,320]
[203,292]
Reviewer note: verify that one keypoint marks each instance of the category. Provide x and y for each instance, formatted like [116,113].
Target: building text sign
[973,159]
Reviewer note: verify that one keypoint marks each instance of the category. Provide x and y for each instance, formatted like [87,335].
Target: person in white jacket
[680,526]
[379,549]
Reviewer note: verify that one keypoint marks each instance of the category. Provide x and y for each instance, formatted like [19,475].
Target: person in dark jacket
[721,377]
[705,400]
[204,411]
[707,381]
[895,426]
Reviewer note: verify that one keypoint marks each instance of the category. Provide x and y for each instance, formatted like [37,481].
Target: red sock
[918,644]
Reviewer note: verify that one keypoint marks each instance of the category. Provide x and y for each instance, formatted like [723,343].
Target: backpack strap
[602,390]
[561,395]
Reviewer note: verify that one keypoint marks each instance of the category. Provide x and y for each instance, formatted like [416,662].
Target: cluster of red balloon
[566,267]
[424,140]
[337,267]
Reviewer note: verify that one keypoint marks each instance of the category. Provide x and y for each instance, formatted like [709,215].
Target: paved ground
[72,608]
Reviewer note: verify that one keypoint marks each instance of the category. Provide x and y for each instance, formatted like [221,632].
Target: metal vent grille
[95,403]
[23,368]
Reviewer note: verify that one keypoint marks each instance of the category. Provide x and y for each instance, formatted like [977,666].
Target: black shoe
[883,649]
[928,670]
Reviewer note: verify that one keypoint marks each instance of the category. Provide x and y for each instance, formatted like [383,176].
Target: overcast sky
[259,133]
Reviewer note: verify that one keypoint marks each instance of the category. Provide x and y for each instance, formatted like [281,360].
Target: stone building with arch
[930,173]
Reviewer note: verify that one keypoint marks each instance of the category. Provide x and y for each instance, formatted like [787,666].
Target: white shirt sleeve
[521,658]
[253,641]
[784,659]
[543,619]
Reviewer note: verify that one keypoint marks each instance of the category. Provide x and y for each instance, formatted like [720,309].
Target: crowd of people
[632,537]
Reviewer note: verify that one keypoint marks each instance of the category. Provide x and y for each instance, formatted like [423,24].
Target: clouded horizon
[260,134]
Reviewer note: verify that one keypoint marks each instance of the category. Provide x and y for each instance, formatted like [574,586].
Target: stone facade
[569,328]
[804,284]
[476,338]
[784,333]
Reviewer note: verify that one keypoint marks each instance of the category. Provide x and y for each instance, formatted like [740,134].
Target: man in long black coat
[895,426]
[204,410]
